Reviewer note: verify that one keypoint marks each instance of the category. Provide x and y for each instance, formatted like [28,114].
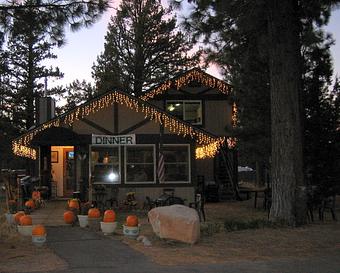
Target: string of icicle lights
[193,75]
[234,119]
[209,145]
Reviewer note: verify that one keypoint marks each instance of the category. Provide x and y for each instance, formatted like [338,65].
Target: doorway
[63,170]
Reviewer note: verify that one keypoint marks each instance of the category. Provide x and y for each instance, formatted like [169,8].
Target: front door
[69,172]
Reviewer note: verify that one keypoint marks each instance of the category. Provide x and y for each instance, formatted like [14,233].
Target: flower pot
[94,224]
[130,231]
[108,227]
[83,221]
[38,240]
[10,218]
[25,230]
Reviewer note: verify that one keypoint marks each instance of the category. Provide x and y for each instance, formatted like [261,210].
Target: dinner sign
[110,140]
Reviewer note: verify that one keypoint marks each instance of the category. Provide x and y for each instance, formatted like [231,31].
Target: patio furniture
[149,204]
[130,200]
[168,198]
[198,205]
[321,200]
[114,190]
[249,190]
[99,197]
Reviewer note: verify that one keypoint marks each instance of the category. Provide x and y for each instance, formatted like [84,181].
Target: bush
[234,225]
[209,228]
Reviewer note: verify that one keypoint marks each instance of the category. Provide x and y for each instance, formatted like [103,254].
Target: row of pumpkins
[94,213]
[31,203]
[22,219]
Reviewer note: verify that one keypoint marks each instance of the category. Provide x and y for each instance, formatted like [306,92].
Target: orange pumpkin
[38,230]
[30,204]
[25,220]
[94,213]
[132,221]
[73,204]
[17,216]
[36,195]
[69,217]
[109,216]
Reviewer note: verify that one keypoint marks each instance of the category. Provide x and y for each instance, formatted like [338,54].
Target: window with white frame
[187,110]
[139,164]
[105,167]
[176,163]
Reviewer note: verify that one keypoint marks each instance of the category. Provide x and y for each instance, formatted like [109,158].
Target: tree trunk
[288,202]
[30,90]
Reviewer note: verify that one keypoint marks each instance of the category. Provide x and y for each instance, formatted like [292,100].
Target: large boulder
[176,222]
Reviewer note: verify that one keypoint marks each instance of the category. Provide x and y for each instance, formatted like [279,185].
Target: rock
[175,222]
[140,238]
[144,240]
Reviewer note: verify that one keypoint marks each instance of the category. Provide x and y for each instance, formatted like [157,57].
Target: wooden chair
[321,201]
[198,205]
[328,203]
[113,197]
[148,204]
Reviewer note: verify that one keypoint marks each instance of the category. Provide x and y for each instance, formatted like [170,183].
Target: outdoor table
[256,190]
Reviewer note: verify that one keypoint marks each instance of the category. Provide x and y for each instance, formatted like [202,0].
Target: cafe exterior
[118,143]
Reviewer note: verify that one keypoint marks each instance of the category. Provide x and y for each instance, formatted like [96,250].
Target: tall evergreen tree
[320,115]
[32,28]
[142,48]
[277,26]
[64,12]
[72,95]
[30,42]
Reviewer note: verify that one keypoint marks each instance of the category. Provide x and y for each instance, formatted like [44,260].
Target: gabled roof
[184,79]
[209,144]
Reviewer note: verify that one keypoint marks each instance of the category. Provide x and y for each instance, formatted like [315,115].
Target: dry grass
[216,246]
[17,253]
[252,244]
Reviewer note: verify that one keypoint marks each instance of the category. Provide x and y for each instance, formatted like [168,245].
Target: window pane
[104,155]
[175,108]
[175,154]
[193,112]
[176,172]
[176,159]
[105,164]
[140,164]
[140,173]
[139,154]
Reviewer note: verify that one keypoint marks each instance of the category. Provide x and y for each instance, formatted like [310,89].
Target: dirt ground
[18,254]
[216,245]
[219,246]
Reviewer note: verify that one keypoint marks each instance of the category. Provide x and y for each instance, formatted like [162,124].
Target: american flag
[160,169]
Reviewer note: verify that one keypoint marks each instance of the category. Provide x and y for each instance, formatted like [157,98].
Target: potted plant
[83,217]
[109,224]
[131,227]
[12,209]
[38,235]
[94,219]
[25,227]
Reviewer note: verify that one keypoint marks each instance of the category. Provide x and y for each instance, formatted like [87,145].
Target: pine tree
[320,113]
[30,42]
[142,48]
[29,30]
[64,12]
[72,95]
[274,27]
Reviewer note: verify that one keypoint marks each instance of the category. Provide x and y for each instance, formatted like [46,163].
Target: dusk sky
[76,58]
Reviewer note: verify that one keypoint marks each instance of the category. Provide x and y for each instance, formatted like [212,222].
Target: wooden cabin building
[171,137]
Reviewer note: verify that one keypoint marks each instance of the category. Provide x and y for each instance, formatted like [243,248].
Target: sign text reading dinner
[113,140]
